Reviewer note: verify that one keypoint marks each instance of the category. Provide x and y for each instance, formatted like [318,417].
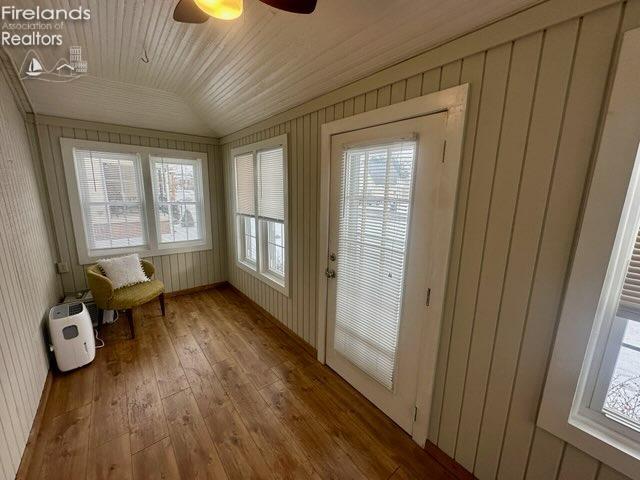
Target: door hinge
[444,150]
[428,302]
[415,413]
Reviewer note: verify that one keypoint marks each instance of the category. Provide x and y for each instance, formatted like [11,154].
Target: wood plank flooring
[215,390]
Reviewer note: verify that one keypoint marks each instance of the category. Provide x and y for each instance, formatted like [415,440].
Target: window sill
[596,435]
[186,247]
[265,278]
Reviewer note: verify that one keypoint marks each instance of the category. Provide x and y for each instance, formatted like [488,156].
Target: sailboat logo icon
[64,70]
[35,68]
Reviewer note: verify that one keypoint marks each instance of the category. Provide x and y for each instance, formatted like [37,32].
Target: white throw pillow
[123,271]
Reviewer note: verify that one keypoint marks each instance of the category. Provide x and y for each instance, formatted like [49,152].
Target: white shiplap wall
[537,95]
[178,271]
[28,282]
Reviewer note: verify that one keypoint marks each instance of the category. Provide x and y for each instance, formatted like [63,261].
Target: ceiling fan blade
[188,12]
[294,6]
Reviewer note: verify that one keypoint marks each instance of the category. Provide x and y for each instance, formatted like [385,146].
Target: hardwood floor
[215,390]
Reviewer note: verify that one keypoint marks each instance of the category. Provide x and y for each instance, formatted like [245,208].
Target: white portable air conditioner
[71,334]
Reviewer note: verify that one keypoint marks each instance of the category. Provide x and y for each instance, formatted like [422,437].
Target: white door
[385,185]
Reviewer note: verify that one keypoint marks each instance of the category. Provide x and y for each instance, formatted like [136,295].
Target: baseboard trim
[453,467]
[27,455]
[294,336]
[201,288]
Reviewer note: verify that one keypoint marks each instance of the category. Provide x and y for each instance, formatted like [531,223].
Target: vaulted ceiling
[221,76]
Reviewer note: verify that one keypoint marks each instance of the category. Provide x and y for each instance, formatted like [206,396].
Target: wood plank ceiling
[221,76]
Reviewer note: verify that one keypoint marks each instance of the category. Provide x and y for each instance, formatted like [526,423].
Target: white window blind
[271,184]
[111,197]
[629,306]
[375,200]
[178,200]
[260,180]
[245,181]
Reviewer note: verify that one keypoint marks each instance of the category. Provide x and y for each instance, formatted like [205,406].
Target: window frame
[242,237]
[590,303]
[153,246]
[199,202]
[264,225]
[600,380]
[87,216]
[260,269]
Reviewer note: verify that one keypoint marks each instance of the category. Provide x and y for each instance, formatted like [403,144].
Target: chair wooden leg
[161,298]
[131,326]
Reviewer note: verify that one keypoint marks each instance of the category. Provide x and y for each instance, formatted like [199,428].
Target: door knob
[330,273]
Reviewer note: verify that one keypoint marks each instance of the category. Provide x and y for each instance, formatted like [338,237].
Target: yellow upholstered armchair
[124,298]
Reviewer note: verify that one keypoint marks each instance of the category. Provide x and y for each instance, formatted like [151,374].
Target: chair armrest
[148,267]
[101,288]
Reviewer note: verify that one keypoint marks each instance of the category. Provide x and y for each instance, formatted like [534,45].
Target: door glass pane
[375,199]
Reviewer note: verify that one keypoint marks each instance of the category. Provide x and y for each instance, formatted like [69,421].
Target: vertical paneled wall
[178,271]
[28,282]
[533,120]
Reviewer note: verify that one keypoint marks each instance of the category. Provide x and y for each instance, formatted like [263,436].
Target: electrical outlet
[62,267]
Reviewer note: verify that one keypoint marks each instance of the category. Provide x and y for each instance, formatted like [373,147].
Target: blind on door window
[630,297]
[375,201]
[271,184]
[111,198]
[245,199]
[177,198]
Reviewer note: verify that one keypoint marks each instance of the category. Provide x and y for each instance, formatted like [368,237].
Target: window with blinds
[246,208]
[178,203]
[260,209]
[245,184]
[271,208]
[126,198]
[112,198]
[373,227]
[629,306]
[271,184]
[621,401]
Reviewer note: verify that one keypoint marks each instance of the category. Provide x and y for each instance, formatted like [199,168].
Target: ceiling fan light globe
[221,9]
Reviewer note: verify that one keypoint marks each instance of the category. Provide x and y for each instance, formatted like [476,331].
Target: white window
[177,193]
[246,208]
[250,240]
[617,385]
[592,394]
[260,207]
[112,198]
[127,198]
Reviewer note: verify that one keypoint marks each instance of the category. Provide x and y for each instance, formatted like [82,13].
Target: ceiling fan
[199,11]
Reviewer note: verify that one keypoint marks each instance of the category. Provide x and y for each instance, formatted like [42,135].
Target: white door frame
[454,101]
